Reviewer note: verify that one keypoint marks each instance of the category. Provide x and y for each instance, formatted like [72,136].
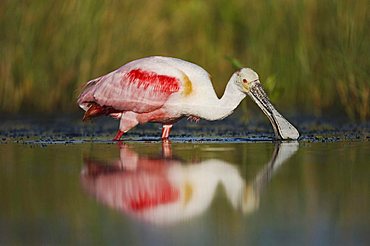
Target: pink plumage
[137,90]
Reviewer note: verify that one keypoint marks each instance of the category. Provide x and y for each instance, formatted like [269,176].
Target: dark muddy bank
[70,129]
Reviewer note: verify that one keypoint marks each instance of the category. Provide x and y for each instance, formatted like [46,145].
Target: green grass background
[312,56]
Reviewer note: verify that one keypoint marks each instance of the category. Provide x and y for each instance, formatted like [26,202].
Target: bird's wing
[135,90]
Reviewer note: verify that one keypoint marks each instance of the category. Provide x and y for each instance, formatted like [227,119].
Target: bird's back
[142,85]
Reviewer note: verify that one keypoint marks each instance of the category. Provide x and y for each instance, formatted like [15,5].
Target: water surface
[185,193]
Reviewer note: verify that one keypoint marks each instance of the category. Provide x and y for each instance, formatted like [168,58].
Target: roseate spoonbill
[164,90]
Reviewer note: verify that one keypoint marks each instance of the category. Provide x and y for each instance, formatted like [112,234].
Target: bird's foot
[194,118]
[118,135]
[116,115]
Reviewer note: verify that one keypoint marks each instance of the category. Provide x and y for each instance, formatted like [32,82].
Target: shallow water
[185,193]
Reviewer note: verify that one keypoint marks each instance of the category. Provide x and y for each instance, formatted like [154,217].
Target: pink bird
[164,90]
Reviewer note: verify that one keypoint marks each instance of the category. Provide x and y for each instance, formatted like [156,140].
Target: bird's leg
[166,129]
[118,136]
[128,121]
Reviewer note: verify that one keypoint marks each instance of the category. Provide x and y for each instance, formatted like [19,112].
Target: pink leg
[166,129]
[128,121]
[118,135]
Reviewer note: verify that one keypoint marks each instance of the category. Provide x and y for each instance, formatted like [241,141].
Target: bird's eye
[245,81]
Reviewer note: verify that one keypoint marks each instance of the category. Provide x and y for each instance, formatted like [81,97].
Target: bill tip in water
[284,129]
[290,134]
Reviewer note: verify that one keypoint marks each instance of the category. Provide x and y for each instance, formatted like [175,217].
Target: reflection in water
[166,190]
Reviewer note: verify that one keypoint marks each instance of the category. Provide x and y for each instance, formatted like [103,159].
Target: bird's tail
[94,110]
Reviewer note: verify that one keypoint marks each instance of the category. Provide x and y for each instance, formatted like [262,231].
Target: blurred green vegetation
[312,56]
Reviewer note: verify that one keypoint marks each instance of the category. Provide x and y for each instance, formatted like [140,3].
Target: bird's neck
[220,108]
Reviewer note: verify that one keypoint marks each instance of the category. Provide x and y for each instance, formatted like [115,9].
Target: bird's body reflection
[165,191]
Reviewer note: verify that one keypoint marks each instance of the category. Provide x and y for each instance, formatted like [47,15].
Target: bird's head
[246,77]
[248,82]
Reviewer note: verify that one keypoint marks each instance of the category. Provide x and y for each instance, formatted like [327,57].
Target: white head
[245,78]
[248,82]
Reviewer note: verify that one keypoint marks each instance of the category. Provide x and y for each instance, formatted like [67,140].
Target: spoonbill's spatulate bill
[164,90]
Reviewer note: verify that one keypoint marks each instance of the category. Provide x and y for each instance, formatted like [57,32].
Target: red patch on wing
[162,83]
